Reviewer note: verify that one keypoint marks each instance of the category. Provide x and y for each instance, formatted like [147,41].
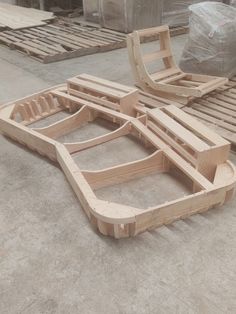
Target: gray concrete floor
[51,261]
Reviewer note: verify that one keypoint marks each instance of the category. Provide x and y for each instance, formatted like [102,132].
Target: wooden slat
[173,79]
[221,103]
[97,87]
[115,85]
[30,49]
[213,84]
[165,73]
[214,113]
[156,55]
[224,129]
[195,126]
[96,100]
[178,130]
[205,117]
[172,143]
[174,157]
[218,108]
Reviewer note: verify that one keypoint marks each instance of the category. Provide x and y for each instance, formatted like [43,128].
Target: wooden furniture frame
[180,146]
[216,110]
[170,82]
[115,96]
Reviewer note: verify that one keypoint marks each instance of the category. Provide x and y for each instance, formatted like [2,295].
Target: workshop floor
[52,261]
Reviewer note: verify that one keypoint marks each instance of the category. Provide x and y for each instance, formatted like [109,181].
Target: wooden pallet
[59,41]
[182,147]
[170,82]
[63,40]
[218,111]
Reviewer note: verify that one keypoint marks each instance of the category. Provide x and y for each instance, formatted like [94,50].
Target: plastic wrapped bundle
[176,12]
[91,10]
[128,15]
[211,45]
[233,3]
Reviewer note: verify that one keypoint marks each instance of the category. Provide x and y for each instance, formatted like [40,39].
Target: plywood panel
[16,17]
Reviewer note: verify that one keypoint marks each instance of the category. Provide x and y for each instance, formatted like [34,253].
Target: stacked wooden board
[16,17]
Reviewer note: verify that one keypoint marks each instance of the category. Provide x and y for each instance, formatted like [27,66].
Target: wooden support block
[110,94]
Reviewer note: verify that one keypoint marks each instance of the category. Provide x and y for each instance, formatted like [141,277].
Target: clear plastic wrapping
[211,45]
[129,15]
[91,10]
[125,15]
[176,12]
[233,3]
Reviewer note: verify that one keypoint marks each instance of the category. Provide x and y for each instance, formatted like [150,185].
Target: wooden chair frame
[170,82]
[173,152]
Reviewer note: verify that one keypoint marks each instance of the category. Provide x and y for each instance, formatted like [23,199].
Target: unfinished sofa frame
[181,144]
[169,82]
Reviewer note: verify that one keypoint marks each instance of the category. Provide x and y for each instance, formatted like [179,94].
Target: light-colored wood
[170,82]
[77,147]
[35,141]
[17,17]
[67,125]
[122,173]
[61,40]
[218,111]
[65,39]
[104,92]
[187,137]
[180,145]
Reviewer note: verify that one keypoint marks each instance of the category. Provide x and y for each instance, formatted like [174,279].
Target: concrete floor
[51,261]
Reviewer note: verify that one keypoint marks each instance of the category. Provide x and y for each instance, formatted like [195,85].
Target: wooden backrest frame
[171,80]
